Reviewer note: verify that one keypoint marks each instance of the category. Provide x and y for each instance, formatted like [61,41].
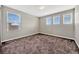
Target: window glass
[56,19]
[67,19]
[13,19]
[48,20]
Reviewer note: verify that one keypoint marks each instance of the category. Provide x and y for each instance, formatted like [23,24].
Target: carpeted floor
[40,44]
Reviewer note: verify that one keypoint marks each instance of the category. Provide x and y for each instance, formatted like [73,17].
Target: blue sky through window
[13,18]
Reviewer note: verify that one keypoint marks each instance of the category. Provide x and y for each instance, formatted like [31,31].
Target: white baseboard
[18,37]
[37,33]
[59,36]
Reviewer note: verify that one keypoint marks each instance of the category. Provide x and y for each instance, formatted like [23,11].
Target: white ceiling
[34,9]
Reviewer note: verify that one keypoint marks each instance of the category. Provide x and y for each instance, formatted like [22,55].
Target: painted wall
[0,25]
[66,31]
[0,29]
[77,25]
[29,25]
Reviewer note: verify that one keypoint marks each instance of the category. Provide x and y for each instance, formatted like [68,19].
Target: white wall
[0,24]
[62,30]
[77,25]
[29,25]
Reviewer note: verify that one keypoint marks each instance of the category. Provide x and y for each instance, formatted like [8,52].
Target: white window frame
[54,19]
[71,19]
[47,20]
[8,21]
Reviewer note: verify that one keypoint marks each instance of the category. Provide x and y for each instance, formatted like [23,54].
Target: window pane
[56,19]
[13,19]
[67,19]
[48,20]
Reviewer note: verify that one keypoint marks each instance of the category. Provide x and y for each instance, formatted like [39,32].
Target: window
[56,19]
[13,21]
[67,19]
[48,20]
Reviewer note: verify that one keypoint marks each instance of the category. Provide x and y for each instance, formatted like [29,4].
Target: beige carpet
[40,44]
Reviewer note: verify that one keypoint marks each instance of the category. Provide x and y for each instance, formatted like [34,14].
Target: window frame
[54,19]
[20,19]
[71,18]
[47,20]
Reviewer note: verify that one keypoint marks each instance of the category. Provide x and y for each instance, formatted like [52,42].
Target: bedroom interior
[36,29]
